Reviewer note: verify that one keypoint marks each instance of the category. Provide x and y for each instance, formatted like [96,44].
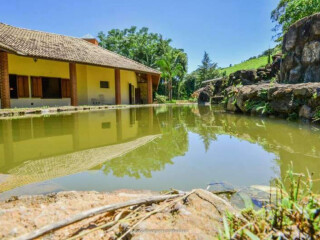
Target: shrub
[258,106]
[316,115]
[293,212]
[161,98]
[192,99]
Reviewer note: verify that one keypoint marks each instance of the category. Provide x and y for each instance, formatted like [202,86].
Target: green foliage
[194,100]
[171,67]
[207,70]
[246,65]
[292,213]
[316,115]
[150,49]
[171,101]
[160,98]
[289,11]
[259,106]
[263,94]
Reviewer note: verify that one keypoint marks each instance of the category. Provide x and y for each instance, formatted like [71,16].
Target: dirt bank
[197,216]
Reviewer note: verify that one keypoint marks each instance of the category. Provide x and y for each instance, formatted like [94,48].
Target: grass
[293,212]
[249,64]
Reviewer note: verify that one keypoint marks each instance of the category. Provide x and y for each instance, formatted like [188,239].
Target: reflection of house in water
[66,144]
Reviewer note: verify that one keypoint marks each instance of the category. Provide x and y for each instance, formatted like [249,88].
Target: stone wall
[301,49]
[284,100]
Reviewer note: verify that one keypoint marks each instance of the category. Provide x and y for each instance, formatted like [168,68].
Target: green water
[156,148]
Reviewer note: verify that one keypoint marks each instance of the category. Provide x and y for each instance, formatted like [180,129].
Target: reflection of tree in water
[298,143]
[156,154]
[290,142]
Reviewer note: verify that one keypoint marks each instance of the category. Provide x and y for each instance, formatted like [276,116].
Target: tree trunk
[170,89]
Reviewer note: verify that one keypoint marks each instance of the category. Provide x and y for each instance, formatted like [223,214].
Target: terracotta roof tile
[59,47]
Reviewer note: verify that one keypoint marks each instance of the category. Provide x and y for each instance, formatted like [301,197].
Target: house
[46,69]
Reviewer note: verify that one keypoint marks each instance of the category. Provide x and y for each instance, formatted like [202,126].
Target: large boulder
[205,95]
[276,99]
[301,48]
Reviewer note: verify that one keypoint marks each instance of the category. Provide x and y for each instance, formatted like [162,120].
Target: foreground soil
[198,216]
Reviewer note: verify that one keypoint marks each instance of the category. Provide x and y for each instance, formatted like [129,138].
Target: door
[138,95]
[131,94]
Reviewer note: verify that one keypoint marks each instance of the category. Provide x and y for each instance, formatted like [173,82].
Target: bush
[193,100]
[161,98]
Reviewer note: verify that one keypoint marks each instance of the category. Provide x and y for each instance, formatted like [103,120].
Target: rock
[301,49]
[312,74]
[278,99]
[311,53]
[295,75]
[290,39]
[305,112]
[249,75]
[205,95]
[231,105]
[300,92]
[316,27]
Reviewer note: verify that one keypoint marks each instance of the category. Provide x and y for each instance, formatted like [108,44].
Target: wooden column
[149,77]
[117,86]
[73,84]
[4,80]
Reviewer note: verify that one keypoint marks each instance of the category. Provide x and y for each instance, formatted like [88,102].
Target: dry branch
[93,212]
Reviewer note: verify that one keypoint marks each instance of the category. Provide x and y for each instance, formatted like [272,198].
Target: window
[104,84]
[51,87]
[19,86]
[13,86]
[105,125]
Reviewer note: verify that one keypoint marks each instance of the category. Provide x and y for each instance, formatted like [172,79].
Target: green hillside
[249,64]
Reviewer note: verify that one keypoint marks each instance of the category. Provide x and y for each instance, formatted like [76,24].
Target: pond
[155,148]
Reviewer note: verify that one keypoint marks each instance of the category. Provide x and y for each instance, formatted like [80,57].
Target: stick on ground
[93,212]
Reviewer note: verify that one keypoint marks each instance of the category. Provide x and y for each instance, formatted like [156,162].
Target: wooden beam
[149,78]
[4,80]
[117,86]
[73,83]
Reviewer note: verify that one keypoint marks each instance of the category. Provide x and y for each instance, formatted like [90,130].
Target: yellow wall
[94,76]
[44,68]
[88,77]
[127,77]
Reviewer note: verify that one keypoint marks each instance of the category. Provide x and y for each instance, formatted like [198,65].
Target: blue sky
[229,30]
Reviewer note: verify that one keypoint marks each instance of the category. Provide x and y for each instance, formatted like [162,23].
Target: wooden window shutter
[23,86]
[36,86]
[65,88]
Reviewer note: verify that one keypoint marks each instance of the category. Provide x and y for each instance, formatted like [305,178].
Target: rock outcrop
[205,94]
[291,100]
[301,49]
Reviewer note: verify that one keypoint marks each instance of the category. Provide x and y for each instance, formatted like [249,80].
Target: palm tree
[171,67]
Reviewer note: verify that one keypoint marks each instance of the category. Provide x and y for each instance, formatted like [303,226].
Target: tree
[289,11]
[207,70]
[188,85]
[171,67]
[150,49]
